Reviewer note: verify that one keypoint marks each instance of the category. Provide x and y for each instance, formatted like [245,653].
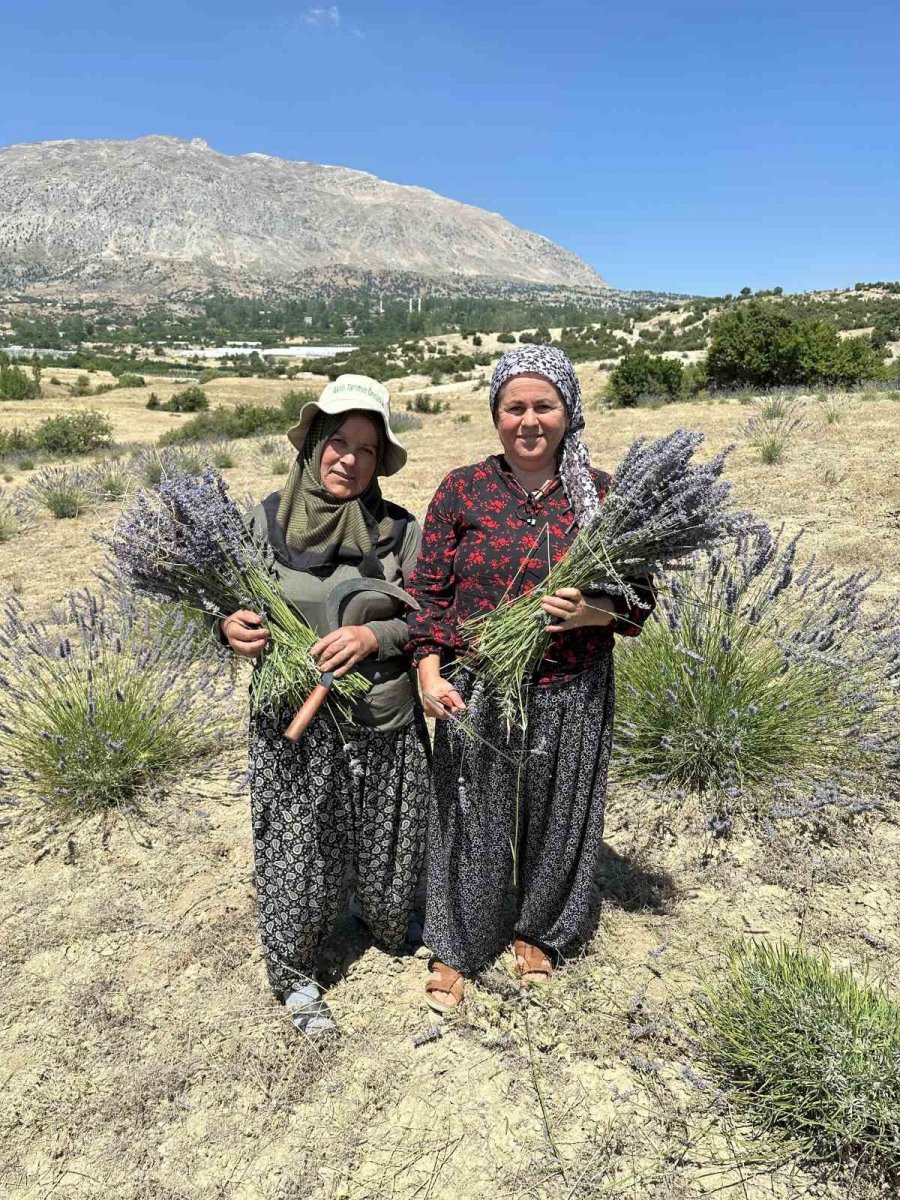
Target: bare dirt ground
[144,1059]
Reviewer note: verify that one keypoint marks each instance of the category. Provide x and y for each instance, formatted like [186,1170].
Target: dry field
[144,1060]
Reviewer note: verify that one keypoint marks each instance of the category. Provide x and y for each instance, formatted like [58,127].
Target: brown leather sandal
[446,980]
[532,964]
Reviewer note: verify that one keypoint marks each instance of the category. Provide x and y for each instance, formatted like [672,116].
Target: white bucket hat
[344,394]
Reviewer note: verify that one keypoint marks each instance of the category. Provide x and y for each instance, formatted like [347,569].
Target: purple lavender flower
[186,540]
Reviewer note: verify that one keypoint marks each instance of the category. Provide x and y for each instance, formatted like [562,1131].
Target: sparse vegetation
[143,915]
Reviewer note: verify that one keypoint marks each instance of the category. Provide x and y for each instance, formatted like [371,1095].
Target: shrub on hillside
[757,673]
[244,420]
[506,338]
[641,376]
[99,709]
[73,433]
[694,378]
[191,400]
[127,380]
[762,345]
[426,404]
[14,440]
[15,384]
[293,403]
[812,1055]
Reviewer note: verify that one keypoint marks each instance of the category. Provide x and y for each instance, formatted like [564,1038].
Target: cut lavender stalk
[188,541]
[660,508]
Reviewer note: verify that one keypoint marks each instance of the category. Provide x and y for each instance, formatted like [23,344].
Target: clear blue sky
[687,146]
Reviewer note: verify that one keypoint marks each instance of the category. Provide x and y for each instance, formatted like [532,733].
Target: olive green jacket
[391,700]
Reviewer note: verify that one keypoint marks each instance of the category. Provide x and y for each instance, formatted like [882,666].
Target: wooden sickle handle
[311,705]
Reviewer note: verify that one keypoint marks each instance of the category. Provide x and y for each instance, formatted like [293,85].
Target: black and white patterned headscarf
[574,463]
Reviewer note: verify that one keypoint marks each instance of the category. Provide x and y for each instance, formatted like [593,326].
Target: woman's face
[350,457]
[531,421]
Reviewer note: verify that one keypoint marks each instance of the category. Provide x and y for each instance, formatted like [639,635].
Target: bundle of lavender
[187,541]
[660,508]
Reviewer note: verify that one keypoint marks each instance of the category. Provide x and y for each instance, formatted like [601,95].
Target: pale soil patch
[143,1058]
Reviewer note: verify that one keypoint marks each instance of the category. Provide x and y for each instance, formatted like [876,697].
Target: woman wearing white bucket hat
[346,798]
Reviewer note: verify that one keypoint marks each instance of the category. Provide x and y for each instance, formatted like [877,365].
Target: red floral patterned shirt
[482,539]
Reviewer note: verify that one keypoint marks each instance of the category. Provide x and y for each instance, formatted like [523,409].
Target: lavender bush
[94,711]
[111,479]
[66,491]
[811,1054]
[222,455]
[660,508]
[770,430]
[152,465]
[187,541]
[758,673]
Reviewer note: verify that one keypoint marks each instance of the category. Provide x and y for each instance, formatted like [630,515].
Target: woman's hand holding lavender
[245,633]
[439,696]
[661,508]
[187,541]
[571,610]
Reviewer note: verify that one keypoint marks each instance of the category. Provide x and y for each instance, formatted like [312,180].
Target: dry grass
[142,1056]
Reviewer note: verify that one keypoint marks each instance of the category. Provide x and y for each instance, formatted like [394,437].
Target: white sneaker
[308,1011]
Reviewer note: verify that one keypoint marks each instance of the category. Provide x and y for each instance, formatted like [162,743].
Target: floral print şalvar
[322,809]
[528,809]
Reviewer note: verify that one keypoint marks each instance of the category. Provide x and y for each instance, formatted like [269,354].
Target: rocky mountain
[129,217]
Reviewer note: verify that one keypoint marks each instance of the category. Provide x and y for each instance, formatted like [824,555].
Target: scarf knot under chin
[309,528]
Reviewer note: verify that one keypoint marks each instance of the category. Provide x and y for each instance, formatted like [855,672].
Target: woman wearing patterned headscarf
[349,799]
[526,808]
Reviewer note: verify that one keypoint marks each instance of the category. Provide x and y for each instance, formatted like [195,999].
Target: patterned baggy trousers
[331,804]
[539,800]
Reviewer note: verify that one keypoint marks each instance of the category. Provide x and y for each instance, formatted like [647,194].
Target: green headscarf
[318,528]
